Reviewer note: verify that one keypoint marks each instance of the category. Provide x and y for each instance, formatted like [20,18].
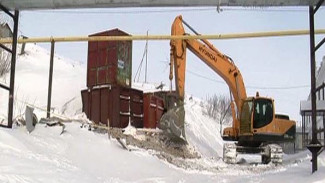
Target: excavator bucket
[172,123]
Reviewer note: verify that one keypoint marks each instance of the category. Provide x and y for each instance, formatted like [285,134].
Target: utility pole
[146,72]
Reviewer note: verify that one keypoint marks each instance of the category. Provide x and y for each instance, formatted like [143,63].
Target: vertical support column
[313,84]
[324,128]
[13,69]
[312,71]
[314,146]
[303,130]
[49,93]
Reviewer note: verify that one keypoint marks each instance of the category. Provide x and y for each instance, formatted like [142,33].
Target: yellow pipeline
[164,37]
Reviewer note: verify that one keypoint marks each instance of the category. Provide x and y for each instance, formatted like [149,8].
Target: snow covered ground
[80,155]
[31,83]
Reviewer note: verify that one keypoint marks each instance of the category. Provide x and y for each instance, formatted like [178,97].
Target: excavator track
[229,153]
[272,153]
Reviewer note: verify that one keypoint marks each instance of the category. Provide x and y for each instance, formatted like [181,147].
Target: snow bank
[202,131]
[31,84]
[79,155]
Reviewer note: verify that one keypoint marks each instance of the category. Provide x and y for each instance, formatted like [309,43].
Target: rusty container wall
[169,98]
[109,62]
[160,110]
[85,102]
[136,108]
[95,105]
[124,101]
[153,107]
[114,106]
[105,104]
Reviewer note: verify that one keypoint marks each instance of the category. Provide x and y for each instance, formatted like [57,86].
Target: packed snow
[81,155]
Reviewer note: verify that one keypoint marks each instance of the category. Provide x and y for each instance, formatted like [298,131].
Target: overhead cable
[250,86]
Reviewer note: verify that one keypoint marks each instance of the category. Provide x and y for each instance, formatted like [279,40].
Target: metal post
[146,72]
[324,128]
[49,94]
[303,130]
[313,84]
[314,146]
[13,69]
[22,51]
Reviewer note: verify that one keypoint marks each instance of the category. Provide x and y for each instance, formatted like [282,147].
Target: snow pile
[202,131]
[31,83]
[80,155]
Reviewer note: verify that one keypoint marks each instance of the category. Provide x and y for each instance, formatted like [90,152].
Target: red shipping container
[95,105]
[85,101]
[153,107]
[136,108]
[109,62]
[113,104]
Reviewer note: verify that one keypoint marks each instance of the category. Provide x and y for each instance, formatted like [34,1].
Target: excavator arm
[216,60]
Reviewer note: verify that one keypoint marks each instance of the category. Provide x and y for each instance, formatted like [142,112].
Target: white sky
[263,62]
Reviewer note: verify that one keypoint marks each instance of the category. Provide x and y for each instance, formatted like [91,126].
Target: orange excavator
[255,127]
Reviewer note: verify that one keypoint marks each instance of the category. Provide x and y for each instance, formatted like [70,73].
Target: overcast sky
[265,63]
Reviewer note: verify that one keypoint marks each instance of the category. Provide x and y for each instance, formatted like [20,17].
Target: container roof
[64,4]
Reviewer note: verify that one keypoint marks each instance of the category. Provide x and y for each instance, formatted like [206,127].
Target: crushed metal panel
[30,118]
[5,30]
[64,4]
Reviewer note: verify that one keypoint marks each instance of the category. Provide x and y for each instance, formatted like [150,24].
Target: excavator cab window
[246,115]
[263,112]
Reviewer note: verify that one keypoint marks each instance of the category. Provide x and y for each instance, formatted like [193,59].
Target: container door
[95,106]
[85,102]
[124,107]
[114,109]
[104,105]
[159,110]
[136,108]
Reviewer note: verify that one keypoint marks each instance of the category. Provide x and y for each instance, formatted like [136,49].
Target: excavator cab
[263,112]
[256,113]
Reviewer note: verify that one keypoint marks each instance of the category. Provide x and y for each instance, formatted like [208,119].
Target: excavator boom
[212,57]
[255,124]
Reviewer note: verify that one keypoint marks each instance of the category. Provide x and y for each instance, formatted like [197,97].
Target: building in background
[305,110]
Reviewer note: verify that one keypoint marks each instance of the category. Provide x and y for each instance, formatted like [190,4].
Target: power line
[251,87]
